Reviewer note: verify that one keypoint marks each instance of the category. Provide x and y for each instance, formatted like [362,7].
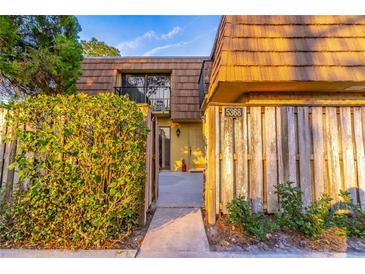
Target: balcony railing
[157,97]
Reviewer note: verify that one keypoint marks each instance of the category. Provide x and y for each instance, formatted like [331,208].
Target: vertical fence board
[292,146]
[359,144]
[284,141]
[227,163]
[217,159]
[279,140]
[244,153]
[349,177]
[2,144]
[239,156]
[256,159]
[8,175]
[210,174]
[150,157]
[271,159]
[289,144]
[148,169]
[333,152]
[362,186]
[16,184]
[305,155]
[148,165]
[318,152]
[363,121]
[156,159]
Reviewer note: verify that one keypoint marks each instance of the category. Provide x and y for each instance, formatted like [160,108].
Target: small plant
[349,216]
[318,217]
[291,215]
[254,223]
[311,221]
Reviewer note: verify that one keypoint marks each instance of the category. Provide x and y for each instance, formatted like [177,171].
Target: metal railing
[157,97]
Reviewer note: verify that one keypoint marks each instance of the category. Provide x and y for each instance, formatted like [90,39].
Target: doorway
[196,151]
[165,148]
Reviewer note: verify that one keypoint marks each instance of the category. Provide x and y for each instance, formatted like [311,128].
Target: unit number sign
[233,112]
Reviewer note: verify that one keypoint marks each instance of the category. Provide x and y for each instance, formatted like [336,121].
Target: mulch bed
[223,237]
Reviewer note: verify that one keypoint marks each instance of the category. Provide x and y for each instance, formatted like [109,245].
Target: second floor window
[148,88]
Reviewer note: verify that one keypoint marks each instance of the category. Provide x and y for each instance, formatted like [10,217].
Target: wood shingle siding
[294,44]
[296,20]
[287,49]
[294,31]
[100,74]
[295,73]
[301,59]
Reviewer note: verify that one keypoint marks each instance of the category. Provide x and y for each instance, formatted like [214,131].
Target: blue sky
[153,35]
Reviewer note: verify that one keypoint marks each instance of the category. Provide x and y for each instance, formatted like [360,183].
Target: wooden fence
[251,149]
[8,178]
[152,165]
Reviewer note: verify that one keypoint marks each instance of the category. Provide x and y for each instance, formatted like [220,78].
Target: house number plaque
[233,112]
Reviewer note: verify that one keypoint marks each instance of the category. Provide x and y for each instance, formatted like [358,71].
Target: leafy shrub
[349,216]
[81,170]
[291,215]
[311,221]
[254,223]
[318,217]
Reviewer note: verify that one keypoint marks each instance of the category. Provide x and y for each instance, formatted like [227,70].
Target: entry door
[196,147]
[165,143]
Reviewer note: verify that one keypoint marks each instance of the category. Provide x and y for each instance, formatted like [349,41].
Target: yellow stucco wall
[188,146]
[144,108]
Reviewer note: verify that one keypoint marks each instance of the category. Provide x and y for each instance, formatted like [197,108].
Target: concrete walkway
[177,228]
[180,189]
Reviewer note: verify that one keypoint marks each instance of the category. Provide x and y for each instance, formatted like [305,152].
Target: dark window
[148,88]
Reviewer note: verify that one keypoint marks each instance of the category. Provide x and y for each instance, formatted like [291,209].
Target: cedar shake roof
[100,74]
[289,48]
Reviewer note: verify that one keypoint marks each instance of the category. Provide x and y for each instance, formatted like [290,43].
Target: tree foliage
[40,54]
[98,48]
[81,171]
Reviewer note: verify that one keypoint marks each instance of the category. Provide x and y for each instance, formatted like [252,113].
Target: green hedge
[83,161]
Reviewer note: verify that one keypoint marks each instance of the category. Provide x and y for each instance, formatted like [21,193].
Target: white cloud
[171,33]
[147,36]
[153,51]
[136,42]
[160,48]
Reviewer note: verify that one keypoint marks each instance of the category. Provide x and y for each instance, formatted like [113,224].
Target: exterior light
[178,132]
